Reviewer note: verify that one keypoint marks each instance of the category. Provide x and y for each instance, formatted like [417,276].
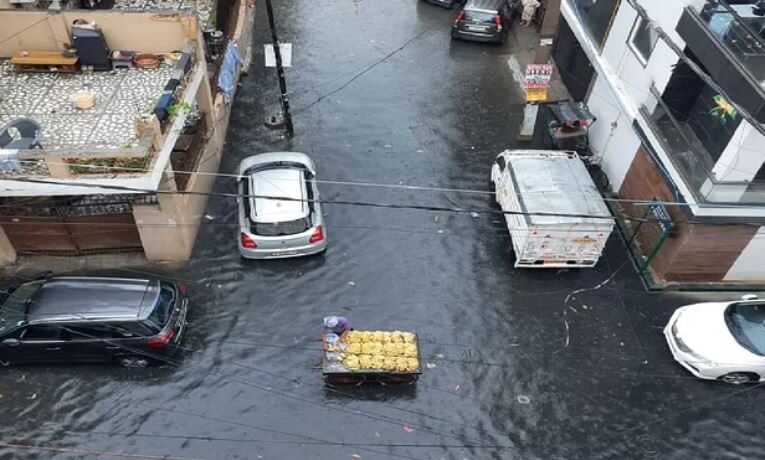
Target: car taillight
[162,339]
[182,288]
[460,16]
[317,236]
[247,242]
[498,20]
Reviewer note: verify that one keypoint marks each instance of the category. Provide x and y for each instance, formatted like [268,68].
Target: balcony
[729,42]
[692,159]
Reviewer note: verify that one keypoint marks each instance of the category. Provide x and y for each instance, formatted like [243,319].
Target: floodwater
[380,95]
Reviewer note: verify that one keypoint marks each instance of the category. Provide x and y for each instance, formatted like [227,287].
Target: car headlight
[685,348]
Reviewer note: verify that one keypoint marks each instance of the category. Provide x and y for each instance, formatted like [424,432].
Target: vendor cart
[336,372]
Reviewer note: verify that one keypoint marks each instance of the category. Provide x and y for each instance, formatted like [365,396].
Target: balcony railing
[693,161]
[740,29]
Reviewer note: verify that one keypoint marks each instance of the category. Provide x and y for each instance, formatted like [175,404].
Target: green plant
[176,108]
[113,165]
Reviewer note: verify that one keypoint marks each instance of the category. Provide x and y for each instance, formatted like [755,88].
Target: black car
[129,322]
[445,3]
[485,20]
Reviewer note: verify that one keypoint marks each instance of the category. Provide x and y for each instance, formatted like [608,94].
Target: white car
[720,340]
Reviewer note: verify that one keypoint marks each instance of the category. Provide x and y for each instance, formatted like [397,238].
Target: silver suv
[279,210]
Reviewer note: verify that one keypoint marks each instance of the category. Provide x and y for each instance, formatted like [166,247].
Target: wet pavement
[380,95]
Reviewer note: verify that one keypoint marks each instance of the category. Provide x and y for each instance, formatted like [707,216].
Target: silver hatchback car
[279,212]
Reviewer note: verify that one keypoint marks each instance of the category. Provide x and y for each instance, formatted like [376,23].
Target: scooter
[567,127]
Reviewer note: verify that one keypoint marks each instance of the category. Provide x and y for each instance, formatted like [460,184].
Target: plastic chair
[29,133]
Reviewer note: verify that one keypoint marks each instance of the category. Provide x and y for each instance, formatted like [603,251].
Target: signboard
[538,76]
[662,216]
[284,48]
[536,94]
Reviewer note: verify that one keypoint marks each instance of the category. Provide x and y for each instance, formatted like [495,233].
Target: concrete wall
[178,216]
[623,81]
[749,264]
[147,32]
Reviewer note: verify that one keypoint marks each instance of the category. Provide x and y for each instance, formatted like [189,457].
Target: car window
[164,307]
[41,333]
[291,227]
[746,322]
[13,313]
[481,17]
[95,331]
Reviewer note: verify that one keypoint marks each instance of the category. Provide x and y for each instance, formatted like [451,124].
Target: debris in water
[474,215]
[431,365]
[523,399]
[456,388]
[351,283]
[408,429]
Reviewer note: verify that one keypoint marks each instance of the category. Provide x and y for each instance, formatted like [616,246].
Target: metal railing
[740,30]
[693,161]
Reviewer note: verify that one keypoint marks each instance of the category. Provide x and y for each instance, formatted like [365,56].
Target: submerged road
[514,370]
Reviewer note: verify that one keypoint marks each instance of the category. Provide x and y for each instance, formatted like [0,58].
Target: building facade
[129,173]
[677,89]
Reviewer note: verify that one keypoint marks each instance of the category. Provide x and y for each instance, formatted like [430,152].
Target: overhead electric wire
[423,188]
[364,204]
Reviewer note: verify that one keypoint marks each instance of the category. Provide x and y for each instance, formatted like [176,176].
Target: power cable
[362,72]
[368,204]
[422,188]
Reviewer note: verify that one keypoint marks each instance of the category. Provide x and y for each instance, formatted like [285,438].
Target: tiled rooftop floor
[203,8]
[121,96]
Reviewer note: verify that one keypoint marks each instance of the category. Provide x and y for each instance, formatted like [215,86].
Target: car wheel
[133,362]
[739,378]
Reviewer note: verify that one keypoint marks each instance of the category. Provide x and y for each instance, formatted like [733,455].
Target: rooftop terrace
[121,96]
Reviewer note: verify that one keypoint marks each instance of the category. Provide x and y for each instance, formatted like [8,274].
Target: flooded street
[514,370]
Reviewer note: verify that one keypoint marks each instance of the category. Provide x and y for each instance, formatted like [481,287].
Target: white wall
[611,136]
[749,265]
[743,156]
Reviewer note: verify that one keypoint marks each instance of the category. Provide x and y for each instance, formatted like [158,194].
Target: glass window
[40,333]
[596,16]
[291,227]
[479,17]
[94,331]
[13,313]
[745,322]
[164,308]
[643,39]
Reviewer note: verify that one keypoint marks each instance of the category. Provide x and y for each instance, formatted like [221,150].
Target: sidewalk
[523,44]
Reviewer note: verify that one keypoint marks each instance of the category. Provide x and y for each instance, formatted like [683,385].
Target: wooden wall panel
[692,253]
[644,182]
[709,252]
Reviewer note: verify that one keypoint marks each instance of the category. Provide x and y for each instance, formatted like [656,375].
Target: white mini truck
[554,212]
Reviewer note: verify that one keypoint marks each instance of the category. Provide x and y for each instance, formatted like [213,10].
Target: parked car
[484,20]
[279,212]
[720,340]
[129,322]
[445,3]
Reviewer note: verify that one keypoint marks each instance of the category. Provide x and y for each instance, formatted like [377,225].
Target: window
[642,40]
[596,17]
[164,307]
[41,333]
[94,331]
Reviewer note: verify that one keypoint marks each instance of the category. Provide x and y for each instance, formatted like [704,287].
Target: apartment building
[677,89]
